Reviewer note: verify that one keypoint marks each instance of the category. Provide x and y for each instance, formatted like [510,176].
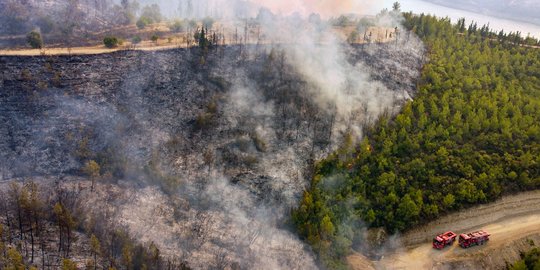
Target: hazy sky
[520,15]
[324,7]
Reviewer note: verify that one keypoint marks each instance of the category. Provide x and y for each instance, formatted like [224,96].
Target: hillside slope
[220,142]
[470,136]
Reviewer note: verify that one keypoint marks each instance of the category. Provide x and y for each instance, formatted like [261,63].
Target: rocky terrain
[220,141]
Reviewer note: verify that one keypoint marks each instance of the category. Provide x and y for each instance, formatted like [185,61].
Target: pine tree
[96,249]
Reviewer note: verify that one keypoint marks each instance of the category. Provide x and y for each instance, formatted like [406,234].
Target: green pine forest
[471,135]
[529,260]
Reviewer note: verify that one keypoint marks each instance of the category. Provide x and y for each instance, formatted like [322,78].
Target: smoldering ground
[215,147]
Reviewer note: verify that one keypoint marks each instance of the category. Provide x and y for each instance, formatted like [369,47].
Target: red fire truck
[475,238]
[443,240]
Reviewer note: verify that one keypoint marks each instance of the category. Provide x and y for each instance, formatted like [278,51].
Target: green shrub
[143,22]
[341,21]
[136,40]
[34,40]
[111,42]
[154,38]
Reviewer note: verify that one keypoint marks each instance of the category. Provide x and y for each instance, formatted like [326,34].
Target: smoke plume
[229,137]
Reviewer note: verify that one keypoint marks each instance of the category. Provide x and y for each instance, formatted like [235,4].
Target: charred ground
[228,135]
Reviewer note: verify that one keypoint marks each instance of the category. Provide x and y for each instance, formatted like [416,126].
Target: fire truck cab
[443,240]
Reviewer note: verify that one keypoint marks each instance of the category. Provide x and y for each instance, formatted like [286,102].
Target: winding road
[512,222]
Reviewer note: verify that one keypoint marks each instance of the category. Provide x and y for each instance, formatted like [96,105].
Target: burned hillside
[223,140]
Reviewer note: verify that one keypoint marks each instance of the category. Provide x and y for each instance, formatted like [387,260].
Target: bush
[353,37]
[111,42]
[341,21]
[68,264]
[91,168]
[136,40]
[143,22]
[154,38]
[34,40]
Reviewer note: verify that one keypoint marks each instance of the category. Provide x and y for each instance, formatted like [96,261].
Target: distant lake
[418,6]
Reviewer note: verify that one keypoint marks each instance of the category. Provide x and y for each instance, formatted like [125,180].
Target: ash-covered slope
[228,135]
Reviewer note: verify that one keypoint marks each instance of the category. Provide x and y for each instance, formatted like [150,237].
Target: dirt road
[512,221]
[178,40]
[425,257]
[98,49]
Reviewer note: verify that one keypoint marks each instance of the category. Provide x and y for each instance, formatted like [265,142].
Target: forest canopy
[471,135]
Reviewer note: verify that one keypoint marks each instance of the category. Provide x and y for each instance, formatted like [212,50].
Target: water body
[497,24]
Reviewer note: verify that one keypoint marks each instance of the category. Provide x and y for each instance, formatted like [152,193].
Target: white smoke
[249,8]
[223,213]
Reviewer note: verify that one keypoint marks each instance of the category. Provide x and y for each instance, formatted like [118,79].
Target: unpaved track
[508,220]
[509,207]
[425,257]
[178,41]
[88,50]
